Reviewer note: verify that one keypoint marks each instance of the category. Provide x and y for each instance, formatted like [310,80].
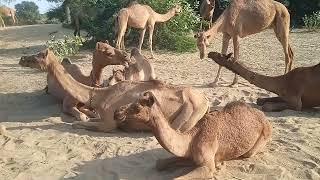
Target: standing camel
[142,17]
[9,12]
[243,18]
[206,11]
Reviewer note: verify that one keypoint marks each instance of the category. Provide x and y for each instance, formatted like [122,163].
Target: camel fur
[297,89]
[206,11]
[186,107]
[238,131]
[104,55]
[140,70]
[9,12]
[243,18]
[141,17]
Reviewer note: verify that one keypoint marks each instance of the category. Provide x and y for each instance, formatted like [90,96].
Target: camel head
[117,76]
[138,111]
[202,43]
[104,54]
[37,61]
[176,8]
[221,59]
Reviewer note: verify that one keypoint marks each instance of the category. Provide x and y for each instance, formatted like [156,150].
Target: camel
[297,89]
[243,18]
[104,54]
[186,107]
[9,12]
[142,17]
[206,11]
[238,131]
[141,70]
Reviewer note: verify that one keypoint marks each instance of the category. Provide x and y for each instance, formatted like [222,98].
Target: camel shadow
[139,166]
[9,53]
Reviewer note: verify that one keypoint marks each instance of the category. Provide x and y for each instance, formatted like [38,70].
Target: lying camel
[142,17]
[206,10]
[186,107]
[141,70]
[297,89]
[103,54]
[238,131]
[243,18]
[9,12]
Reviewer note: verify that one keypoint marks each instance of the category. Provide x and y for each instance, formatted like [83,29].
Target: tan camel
[142,17]
[141,70]
[238,131]
[243,18]
[103,54]
[186,107]
[206,11]
[9,12]
[297,89]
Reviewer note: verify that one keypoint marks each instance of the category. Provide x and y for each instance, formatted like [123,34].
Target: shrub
[312,22]
[27,12]
[70,45]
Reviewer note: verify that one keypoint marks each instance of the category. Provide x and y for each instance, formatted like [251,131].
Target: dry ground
[43,145]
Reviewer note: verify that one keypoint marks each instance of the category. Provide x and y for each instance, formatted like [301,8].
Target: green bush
[70,45]
[312,22]
[28,12]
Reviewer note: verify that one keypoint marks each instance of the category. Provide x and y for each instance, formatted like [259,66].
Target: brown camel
[142,17]
[9,12]
[107,56]
[186,107]
[297,89]
[206,10]
[243,18]
[141,70]
[238,131]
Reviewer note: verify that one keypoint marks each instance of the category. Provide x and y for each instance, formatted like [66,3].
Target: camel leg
[291,102]
[69,107]
[151,28]
[122,23]
[2,22]
[172,162]
[236,50]
[258,146]
[142,33]
[262,101]
[225,45]
[105,125]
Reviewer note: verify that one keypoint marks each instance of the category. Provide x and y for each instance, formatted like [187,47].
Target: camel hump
[66,61]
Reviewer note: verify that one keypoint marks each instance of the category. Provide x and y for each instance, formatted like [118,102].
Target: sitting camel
[186,107]
[142,17]
[238,131]
[107,54]
[243,18]
[9,12]
[297,89]
[206,11]
[141,70]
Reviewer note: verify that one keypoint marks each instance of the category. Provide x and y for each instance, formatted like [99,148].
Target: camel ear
[148,99]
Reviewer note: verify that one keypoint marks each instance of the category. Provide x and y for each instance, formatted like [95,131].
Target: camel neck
[77,90]
[164,17]
[173,141]
[96,75]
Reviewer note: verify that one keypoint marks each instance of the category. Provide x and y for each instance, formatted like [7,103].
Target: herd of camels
[134,99]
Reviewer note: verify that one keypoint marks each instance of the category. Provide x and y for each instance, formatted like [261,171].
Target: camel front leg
[236,50]
[142,33]
[151,28]
[225,45]
[69,107]
[2,22]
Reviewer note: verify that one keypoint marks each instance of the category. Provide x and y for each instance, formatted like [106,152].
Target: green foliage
[312,22]
[70,45]
[56,14]
[27,12]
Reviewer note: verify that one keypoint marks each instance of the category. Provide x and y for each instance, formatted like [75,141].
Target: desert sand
[41,144]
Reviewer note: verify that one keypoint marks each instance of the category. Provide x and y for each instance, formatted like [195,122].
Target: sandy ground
[41,144]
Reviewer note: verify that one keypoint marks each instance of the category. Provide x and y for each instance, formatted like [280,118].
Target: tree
[27,12]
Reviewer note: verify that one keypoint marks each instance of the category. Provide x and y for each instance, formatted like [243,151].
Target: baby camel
[142,17]
[186,107]
[243,18]
[140,70]
[237,131]
[104,55]
[297,89]
[6,11]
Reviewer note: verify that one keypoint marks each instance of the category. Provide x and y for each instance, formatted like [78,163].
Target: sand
[41,144]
